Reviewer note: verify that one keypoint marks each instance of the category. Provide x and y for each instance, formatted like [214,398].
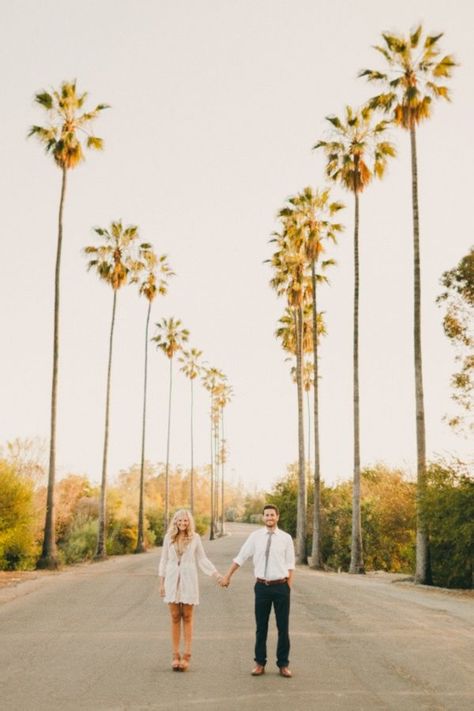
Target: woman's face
[182,523]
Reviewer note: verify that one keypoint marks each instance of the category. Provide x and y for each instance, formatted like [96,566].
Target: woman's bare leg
[175,612]
[188,627]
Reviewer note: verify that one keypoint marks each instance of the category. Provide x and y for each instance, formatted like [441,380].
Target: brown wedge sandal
[185,662]
[176,663]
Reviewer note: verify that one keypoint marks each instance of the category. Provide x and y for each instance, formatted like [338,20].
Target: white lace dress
[180,572]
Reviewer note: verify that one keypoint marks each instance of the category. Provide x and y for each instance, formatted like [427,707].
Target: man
[274,562]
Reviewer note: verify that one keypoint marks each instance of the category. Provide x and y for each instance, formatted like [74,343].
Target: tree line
[120,258]
[357,152]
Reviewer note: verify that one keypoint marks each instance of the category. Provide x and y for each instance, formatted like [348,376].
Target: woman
[182,550]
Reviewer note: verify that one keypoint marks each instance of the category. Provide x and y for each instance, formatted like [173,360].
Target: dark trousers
[279,597]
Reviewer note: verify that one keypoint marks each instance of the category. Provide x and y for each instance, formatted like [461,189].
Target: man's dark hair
[271,506]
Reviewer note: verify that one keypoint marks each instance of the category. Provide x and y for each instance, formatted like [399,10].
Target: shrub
[448,510]
[81,541]
[17,542]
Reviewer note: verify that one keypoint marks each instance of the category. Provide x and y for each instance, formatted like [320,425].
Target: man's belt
[272,582]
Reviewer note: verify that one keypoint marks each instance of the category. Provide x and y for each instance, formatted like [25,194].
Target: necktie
[267,552]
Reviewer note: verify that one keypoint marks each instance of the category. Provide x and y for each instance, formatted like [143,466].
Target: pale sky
[215,107]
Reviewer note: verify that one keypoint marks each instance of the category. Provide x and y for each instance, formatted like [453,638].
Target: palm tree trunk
[167,478]
[422,573]
[191,479]
[308,409]
[357,563]
[222,471]
[301,501]
[216,477]
[141,527]
[48,557]
[316,561]
[211,528]
[101,551]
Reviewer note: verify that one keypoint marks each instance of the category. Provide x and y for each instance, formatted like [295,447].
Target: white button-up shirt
[281,557]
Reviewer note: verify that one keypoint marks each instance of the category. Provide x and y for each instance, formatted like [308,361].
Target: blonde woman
[182,553]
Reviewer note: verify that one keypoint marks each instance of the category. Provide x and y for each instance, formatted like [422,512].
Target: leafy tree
[447,508]
[355,156]
[415,76]
[67,127]
[458,325]
[17,543]
[116,264]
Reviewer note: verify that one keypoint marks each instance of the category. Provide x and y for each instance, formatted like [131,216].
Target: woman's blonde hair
[173,529]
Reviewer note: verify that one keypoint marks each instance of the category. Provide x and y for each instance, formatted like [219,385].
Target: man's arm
[245,552]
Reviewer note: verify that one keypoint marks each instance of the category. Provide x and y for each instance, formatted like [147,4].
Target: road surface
[96,637]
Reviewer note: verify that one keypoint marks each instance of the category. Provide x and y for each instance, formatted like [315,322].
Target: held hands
[222,580]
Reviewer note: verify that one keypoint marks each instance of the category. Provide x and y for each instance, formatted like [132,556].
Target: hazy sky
[215,107]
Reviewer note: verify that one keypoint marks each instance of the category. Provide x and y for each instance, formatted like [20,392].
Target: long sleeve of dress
[203,561]
[164,558]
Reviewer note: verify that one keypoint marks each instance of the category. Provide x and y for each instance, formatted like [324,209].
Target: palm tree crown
[170,336]
[356,154]
[115,261]
[415,76]
[191,366]
[62,137]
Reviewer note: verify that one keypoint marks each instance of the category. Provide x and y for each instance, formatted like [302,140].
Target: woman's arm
[163,559]
[203,561]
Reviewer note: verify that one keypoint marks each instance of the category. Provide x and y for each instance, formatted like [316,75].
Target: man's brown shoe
[284,671]
[258,670]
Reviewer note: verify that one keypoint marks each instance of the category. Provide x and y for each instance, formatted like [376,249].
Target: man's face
[270,518]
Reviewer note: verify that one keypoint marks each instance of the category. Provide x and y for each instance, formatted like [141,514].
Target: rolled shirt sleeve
[247,550]
[290,554]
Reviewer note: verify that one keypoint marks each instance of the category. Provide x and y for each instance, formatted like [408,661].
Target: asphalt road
[96,637]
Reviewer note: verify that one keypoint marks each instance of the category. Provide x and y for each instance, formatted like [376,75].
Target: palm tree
[169,338]
[289,278]
[212,380]
[355,156]
[155,282]
[308,382]
[191,367]
[415,76]
[115,263]
[62,139]
[224,396]
[312,214]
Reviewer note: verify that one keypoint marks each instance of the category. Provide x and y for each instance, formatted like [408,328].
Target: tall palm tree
[355,156]
[155,281]
[415,76]
[224,396]
[63,140]
[116,264]
[169,338]
[289,265]
[191,367]
[212,379]
[313,212]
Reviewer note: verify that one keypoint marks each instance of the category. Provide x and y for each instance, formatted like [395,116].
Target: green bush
[18,549]
[156,524]
[448,510]
[81,541]
[122,537]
